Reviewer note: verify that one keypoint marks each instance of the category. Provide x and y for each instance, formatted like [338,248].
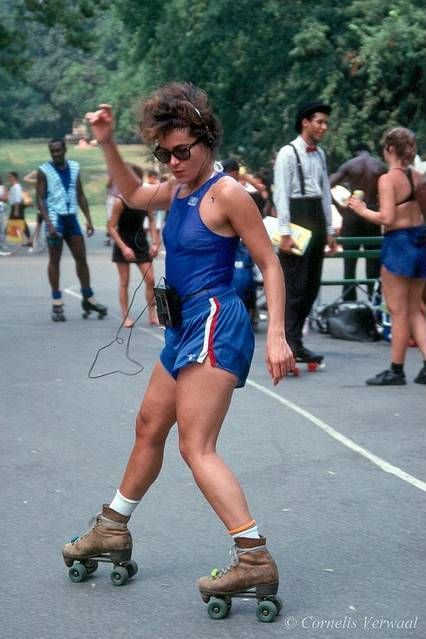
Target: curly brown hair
[403,141]
[180,105]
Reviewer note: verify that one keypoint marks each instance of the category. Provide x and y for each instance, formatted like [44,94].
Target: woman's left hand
[279,358]
[153,250]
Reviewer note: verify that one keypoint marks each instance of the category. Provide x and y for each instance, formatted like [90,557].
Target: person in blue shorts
[59,195]
[403,256]
[209,340]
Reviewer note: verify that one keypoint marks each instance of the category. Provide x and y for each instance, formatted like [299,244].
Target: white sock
[123,505]
[249,531]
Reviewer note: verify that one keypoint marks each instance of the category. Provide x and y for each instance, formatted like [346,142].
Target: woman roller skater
[209,343]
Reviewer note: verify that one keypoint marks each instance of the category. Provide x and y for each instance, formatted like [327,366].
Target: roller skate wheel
[312,367]
[91,565]
[266,611]
[78,572]
[119,576]
[217,609]
[132,568]
[85,315]
[278,603]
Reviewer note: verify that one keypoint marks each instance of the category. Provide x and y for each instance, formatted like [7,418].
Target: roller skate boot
[90,305]
[108,540]
[58,313]
[252,574]
[303,355]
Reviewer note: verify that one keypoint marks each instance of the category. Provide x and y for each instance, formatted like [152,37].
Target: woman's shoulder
[228,187]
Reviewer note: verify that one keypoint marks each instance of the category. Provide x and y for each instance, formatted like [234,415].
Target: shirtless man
[360,173]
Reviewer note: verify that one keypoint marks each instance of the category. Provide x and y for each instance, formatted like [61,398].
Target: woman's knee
[397,309]
[149,430]
[192,452]
[124,283]
[148,277]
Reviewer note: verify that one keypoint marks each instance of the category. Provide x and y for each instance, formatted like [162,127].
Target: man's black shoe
[421,377]
[387,378]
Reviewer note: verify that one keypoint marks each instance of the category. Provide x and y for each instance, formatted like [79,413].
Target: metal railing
[348,252]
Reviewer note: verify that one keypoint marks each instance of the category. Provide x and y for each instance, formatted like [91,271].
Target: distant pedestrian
[302,196]
[4,197]
[360,173]
[16,201]
[126,228]
[403,213]
[59,194]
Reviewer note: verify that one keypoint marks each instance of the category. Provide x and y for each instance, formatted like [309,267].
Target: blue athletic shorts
[215,325]
[67,226]
[404,251]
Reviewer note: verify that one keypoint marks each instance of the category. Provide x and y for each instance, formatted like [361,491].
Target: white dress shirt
[287,182]
[15,194]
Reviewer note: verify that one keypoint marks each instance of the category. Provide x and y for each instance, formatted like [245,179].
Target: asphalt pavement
[334,472]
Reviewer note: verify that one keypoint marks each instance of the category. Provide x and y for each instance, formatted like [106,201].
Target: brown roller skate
[252,573]
[109,541]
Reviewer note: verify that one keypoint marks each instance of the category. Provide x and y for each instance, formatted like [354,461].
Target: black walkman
[169,306]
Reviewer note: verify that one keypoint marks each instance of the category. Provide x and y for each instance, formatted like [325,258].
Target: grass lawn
[26,155]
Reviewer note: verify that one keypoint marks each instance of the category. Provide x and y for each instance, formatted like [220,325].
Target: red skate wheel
[312,367]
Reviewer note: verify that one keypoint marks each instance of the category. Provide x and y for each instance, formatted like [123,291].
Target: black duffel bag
[353,321]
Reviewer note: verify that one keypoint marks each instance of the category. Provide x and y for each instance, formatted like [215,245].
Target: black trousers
[354,226]
[302,274]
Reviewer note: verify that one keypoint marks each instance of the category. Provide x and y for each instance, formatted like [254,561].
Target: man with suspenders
[302,196]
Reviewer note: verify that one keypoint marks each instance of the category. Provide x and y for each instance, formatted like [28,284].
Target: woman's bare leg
[156,416]
[396,293]
[203,395]
[123,290]
[147,271]
[416,315]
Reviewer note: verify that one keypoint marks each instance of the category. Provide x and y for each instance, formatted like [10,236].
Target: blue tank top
[196,257]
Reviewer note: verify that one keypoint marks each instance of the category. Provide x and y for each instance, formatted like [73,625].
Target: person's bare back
[360,173]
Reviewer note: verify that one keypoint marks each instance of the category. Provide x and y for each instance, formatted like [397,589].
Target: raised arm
[148,197]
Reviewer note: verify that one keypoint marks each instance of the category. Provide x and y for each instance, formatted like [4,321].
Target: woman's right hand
[102,123]
[287,244]
[128,253]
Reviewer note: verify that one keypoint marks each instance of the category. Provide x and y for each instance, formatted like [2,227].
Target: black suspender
[299,170]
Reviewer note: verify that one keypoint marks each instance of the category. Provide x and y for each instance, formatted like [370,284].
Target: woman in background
[403,271]
[126,227]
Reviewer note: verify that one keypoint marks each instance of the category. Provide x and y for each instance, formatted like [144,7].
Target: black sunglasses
[181,152]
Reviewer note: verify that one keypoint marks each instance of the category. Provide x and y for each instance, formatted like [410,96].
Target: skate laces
[216,573]
[235,553]
[93,522]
